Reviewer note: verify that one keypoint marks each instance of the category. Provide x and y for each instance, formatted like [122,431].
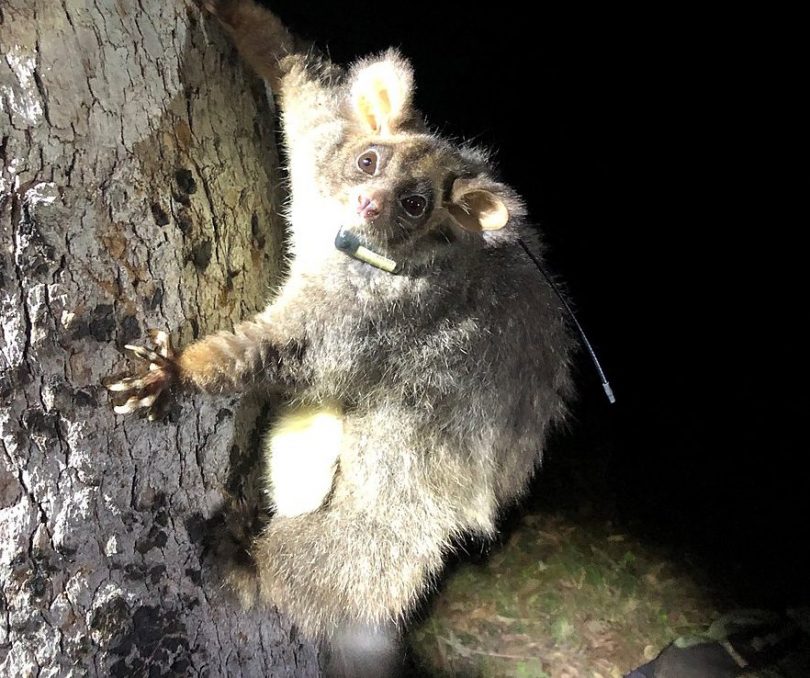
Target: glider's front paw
[147,391]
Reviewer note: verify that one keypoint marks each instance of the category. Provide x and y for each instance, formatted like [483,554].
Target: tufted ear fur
[382,92]
[479,205]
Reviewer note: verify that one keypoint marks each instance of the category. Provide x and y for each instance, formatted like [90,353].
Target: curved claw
[149,390]
[150,383]
[135,403]
[160,408]
[125,384]
[147,355]
[162,342]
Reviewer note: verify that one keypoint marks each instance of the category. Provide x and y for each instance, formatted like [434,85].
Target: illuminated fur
[448,375]
[301,453]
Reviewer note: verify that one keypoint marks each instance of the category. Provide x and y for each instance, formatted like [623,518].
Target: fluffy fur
[448,376]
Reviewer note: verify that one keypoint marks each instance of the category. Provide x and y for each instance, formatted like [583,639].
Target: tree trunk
[136,192]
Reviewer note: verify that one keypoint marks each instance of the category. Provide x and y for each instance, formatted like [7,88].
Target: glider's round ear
[476,206]
[381,93]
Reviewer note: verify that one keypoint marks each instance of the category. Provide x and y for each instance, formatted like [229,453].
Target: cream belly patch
[302,450]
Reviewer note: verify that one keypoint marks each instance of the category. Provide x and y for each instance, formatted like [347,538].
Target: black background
[664,155]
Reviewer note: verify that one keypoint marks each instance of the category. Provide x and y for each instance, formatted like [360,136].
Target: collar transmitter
[348,243]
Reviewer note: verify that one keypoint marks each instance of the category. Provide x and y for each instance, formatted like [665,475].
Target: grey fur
[450,375]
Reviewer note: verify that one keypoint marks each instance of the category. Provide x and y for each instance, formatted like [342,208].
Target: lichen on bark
[137,190]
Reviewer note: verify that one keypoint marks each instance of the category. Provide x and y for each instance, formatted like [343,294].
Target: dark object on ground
[742,643]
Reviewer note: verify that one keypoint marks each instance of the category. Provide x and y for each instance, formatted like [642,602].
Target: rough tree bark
[136,191]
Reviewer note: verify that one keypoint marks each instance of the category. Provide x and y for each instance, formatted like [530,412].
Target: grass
[561,598]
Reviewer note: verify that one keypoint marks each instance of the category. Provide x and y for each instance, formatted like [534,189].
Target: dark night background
[664,156]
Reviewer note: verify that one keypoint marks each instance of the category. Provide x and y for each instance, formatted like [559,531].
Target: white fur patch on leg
[302,451]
